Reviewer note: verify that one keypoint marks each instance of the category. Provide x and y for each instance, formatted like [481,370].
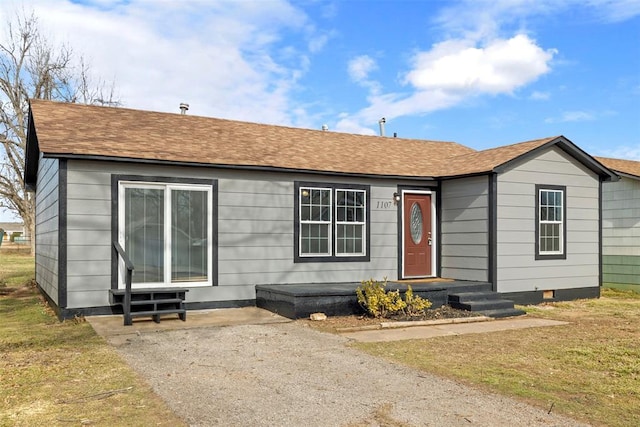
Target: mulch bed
[334,323]
[444,312]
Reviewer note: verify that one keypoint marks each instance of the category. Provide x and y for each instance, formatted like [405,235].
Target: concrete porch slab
[114,331]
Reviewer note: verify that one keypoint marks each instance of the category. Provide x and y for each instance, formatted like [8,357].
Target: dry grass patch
[588,369]
[334,324]
[381,417]
[57,373]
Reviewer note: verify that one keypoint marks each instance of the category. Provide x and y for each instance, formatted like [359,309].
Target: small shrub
[373,297]
[416,305]
[393,303]
[378,302]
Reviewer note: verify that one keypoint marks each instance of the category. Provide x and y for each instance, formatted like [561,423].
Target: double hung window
[166,230]
[550,221]
[350,221]
[315,221]
[331,222]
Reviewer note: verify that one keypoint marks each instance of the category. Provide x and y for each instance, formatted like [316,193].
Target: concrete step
[504,312]
[483,305]
[473,296]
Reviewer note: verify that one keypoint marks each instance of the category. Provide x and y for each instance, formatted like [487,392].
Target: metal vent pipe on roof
[183,108]
[325,128]
[381,122]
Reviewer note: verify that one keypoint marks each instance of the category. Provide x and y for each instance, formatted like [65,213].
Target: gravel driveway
[291,375]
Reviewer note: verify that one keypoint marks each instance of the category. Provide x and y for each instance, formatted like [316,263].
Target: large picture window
[166,230]
[331,222]
[550,222]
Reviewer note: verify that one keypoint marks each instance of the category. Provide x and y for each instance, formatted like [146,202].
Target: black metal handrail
[127,283]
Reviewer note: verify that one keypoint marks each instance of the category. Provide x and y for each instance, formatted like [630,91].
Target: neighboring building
[621,225]
[217,207]
[11,228]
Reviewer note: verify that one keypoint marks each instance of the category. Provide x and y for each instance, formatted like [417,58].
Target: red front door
[417,235]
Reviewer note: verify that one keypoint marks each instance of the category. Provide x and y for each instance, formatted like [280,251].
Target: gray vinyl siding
[517,268]
[47,211]
[621,232]
[255,232]
[465,228]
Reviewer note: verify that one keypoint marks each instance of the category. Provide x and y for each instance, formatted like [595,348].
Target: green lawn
[62,373]
[588,369]
[16,268]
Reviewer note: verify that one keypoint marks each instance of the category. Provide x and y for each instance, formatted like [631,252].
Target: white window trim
[167,187]
[541,222]
[363,223]
[327,223]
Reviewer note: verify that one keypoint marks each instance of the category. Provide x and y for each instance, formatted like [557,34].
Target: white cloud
[615,10]
[238,59]
[394,105]
[227,59]
[540,96]
[622,152]
[572,116]
[456,70]
[501,66]
[485,19]
[481,20]
[351,125]
[317,43]
[360,67]
[486,49]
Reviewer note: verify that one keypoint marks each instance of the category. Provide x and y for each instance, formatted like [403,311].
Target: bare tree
[33,68]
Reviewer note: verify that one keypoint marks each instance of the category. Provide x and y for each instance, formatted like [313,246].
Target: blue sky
[481,73]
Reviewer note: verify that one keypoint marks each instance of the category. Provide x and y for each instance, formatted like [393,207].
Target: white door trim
[434,234]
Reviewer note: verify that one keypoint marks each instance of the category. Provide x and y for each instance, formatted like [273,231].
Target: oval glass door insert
[416,223]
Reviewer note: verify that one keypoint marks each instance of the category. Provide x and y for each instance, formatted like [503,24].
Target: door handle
[429,241]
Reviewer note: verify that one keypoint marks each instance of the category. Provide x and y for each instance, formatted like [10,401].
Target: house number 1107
[384,205]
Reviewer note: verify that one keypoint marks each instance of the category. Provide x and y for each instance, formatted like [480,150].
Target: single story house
[621,225]
[216,207]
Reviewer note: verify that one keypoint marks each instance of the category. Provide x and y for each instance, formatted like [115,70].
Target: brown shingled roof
[488,160]
[73,129]
[76,130]
[629,167]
